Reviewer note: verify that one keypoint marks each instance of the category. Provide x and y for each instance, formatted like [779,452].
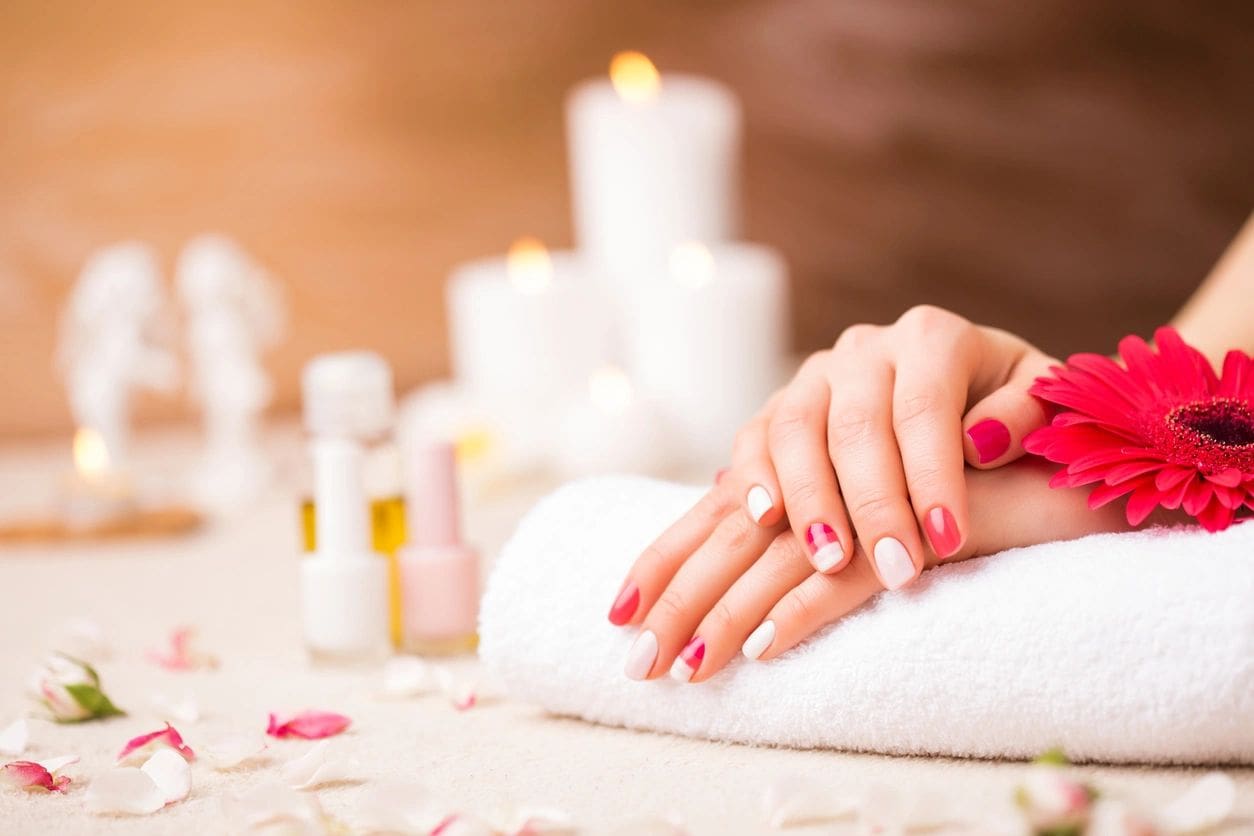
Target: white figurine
[110,342]
[233,314]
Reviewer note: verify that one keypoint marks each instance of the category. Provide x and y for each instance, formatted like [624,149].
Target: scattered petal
[406,676]
[138,748]
[125,790]
[462,824]
[796,801]
[316,767]
[83,639]
[655,826]
[15,737]
[170,771]
[462,693]
[1204,805]
[310,725]
[230,752]
[541,821]
[29,775]
[1112,818]
[401,807]
[185,710]
[55,765]
[70,690]
[274,807]
[181,655]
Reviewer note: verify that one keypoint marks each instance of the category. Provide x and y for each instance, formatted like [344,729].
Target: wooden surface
[1068,169]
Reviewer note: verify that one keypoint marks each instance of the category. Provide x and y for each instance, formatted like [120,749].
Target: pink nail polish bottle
[439,575]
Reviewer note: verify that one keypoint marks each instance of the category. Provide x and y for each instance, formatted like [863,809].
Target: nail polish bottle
[439,574]
[344,585]
[349,394]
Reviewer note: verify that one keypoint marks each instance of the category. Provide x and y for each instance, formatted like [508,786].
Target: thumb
[993,429]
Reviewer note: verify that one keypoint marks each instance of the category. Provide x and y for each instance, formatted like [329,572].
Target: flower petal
[138,748]
[406,676]
[230,752]
[317,767]
[125,790]
[272,805]
[15,737]
[461,692]
[171,774]
[29,775]
[796,801]
[180,654]
[309,725]
[1203,806]
[185,709]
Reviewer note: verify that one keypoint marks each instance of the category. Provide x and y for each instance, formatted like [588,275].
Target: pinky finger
[994,428]
[755,479]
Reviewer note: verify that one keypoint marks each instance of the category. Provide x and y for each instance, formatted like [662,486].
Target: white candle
[527,329]
[653,162]
[611,429]
[710,341]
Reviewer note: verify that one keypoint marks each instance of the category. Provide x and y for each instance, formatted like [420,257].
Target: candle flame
[610,389]
[528,265]
[634,77]
[692,264]
[91,454]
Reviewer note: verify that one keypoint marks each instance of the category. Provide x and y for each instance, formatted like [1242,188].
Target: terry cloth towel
[1119,648]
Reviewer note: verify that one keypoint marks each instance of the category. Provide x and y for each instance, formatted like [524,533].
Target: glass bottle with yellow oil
[349,394]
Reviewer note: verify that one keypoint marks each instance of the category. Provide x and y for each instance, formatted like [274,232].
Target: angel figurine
[112,342]
[233,314]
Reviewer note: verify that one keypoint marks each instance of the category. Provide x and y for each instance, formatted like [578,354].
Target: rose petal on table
[15,737]
[83,639]
[671,825]
[462,824]
[29,775]
[70,690]
[309,725]
[400,807]
[406,676]
[55,765]
[125,790]
[462,693]
[184,710]
[1204,805]
[272,805]
[1113,818]
[317,767]
[180,654]
[171,773]
[798,801]
[138,748]
[229,752]
[541,821]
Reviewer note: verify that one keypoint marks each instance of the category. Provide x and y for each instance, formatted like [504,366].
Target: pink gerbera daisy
[1162,429]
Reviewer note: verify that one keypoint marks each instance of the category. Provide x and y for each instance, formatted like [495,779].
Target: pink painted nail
[625,604]
[991,439]
[825,549]
[942,531]
[689,659]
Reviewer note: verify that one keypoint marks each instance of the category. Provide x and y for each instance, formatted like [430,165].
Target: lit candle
[526,330]
[710,342]
[96,492]
[611,429]
[653,162]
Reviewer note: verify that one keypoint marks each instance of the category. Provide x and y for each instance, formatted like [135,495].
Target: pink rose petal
[180,655]
[310,725]
[139,747]
[29,775]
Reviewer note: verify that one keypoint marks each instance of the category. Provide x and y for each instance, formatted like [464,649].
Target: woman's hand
[868,441]
[716,583]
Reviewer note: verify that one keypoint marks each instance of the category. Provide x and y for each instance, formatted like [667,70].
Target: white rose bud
[70,690]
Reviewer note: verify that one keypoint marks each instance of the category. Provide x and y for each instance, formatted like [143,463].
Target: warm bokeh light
[91,454]
[610,389]
[634,77]
[692,264]
[529,266]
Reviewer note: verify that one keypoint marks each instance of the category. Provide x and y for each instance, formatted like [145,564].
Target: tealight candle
[611,429]
[709,342]
[527,329]
[653,162]
[96,493]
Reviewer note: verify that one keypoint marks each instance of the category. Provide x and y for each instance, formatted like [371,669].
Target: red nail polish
[825,549]
[820,535]
[991,439]
[625,604]
[689,660]
[942,531]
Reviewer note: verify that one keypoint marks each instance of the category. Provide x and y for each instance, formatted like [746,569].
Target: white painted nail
[828,556]
[893,563]
[759,640]
[642,655]
[760,503]
[680,672]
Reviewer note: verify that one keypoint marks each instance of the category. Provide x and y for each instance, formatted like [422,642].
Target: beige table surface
[235,581]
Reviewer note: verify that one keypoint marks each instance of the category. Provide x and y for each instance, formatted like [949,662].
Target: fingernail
[991,439]
[759,501]
[825,549]
[689,659]
[893,562]
[942,531]
[642,655]
[625,604]
[759,640]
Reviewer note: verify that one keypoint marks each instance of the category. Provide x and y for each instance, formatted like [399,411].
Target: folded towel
[1119,647]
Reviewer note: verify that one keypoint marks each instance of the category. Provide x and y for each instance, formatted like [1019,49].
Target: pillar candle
[653,162]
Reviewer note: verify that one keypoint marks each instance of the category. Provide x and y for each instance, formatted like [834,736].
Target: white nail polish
[759,501]
[680,672]
[828,556]
[642,655]
[893,562]
[759,640]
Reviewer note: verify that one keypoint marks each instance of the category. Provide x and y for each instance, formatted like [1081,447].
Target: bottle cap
[431,501]
[348,394]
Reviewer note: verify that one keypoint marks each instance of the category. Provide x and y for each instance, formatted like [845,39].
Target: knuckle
[789,423]
[800,608]
[801,492]
[925,479]
[871,505]
[856,337]
[850,426]
[719,621]
[671,606]
[922,319]
[916,406]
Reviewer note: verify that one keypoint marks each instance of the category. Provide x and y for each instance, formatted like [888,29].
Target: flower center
[1226,422]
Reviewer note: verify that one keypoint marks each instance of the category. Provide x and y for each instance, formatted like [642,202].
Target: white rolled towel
[1119,647]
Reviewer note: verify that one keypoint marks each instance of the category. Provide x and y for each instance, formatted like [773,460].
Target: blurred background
[1066,169]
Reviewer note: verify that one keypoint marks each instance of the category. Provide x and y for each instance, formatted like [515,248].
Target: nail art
[759,502]
[642,655]
[625,604]
[942,531]
[688,660]
[825,549]
[893,562]
[991,439]
[759,640]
